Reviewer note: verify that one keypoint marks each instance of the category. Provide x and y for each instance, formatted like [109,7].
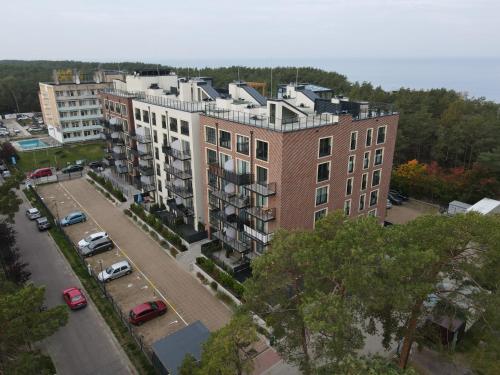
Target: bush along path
[107,186]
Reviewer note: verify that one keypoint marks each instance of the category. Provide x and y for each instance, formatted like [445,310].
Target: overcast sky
[160,30]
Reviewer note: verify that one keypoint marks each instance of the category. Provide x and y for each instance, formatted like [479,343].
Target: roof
[142,307]
[459,204]
[485,206]
[172,349]
[261,99]
[32,210]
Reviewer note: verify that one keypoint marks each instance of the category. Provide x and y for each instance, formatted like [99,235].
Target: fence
[117,184]
[102,286]
[54,178]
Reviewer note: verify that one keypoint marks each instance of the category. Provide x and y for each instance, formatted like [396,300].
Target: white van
[84,242]
[115,271]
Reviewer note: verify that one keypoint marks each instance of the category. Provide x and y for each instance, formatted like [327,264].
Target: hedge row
[223,278]
[108,186]
[157,225]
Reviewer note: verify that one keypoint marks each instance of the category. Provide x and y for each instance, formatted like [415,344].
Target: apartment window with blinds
[362,198]
[323,172]
[325,147]
[373,198]
[348,187]
[347,207]
[350,164]
[210,136]
[145,116]
[366,160]
[369,136]
[184,127]
[211,156]
[153,118]
[225,139]
[163,121]
[173,124]
[354,141]
[381,134]
[262,152]
[364,181]
[379,155]
[376,177]
[242,144]
[137,114]
[321,195]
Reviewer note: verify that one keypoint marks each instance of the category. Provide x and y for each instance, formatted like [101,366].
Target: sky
[183,30]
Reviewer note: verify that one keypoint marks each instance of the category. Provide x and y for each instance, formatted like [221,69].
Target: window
[362,198]
[321,195]
[242,144]
[348,186]
[379,156]
[381,134]
[184,127]
[261,175]
[173,124]
[243,166]
[225,139]
[124,109]
[369,135]
[211,156]
[376,177]
[155,136]
[347,207]
[323,172]
[372,213]
[262,150]
[157,154]
[153,118]
[325,147]
[145,116]
[158,172]
[163,121]
[210,136]
[373,198]
[364,181]
[159,186]
[320,214]
[354,140]
[366,160]
[350,164]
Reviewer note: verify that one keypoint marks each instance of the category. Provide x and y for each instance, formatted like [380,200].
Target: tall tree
[13,267]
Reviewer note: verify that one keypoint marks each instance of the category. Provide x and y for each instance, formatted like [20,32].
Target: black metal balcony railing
[147,187]
[121,169]
[236,200]
[230,176]
[220,217]
[238,245]
[265,190]
[182,191]
[177,154]
[184,174]
[142,138]
[117,141]
[180,208]
[146,171]
[264,214]
[119,155]
[145,152]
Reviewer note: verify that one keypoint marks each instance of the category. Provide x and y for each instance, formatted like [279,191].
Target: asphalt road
[85,345]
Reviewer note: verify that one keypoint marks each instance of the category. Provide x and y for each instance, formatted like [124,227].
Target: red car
[147,311]
[74,298]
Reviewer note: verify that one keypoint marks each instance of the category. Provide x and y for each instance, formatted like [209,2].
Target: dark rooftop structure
[169,352]
[152,72]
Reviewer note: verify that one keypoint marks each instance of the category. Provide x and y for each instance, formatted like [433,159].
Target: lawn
[61,156]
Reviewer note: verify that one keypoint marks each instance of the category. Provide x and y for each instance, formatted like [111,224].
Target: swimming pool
[32,144]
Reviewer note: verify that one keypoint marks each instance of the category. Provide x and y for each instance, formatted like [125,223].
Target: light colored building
[70,104]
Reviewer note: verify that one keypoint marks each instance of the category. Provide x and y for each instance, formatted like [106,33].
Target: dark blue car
[73,218]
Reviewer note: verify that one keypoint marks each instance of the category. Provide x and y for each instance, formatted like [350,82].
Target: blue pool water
[32,144]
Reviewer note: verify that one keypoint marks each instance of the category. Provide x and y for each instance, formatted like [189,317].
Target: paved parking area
[409,211]
[12,124]
[156,274]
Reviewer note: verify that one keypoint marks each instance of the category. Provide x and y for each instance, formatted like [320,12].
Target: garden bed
[105,184]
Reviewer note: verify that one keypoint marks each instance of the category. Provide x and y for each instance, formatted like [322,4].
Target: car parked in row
[96,247]
[73,218]
[40,172]
[91,238]
[389,204]
[72,169]
[399,194]
[147,311]
[74,298]
[115,271]
[394,199]
[95,164]
[42,223]
[33,213]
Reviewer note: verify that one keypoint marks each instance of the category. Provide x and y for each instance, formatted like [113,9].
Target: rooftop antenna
[297,78]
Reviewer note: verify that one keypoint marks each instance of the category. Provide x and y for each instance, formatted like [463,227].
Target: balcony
[257,235]
[142,138]
[176,154]
[239,246]
[146,188]
[180,209]
[145,153]
[182,191]
[121,169]
[146,170]
[266,190]
[119,155]
[230,176]
[236,200]
[264,214]
[220,217]
[183,174]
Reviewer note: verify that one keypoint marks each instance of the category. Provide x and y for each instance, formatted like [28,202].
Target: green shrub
[127,212]
[214,285]
[173,251]
[163,243]
[225,298]
[145,227]
[154,235]
[200,276]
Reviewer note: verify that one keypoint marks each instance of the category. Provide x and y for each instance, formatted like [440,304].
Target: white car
[6,174]
[91,238]
[115,271]
[33,214]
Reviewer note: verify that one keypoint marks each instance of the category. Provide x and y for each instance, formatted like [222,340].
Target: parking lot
[155,274]
[409,210]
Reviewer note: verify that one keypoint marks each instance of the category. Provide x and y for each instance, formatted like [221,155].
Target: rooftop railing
[172,103]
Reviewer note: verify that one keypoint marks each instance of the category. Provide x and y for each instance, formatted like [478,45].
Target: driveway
[85,345]
[409,211]
[160,273]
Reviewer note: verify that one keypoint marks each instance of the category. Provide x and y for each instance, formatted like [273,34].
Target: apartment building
[287,162]
[70,105]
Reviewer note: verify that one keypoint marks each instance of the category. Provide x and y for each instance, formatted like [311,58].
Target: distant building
[486,206]
[70,106]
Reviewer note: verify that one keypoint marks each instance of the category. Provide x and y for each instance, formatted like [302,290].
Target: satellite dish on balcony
[113,121]
[229,188]
[229,210]
[229,165]
[176,145]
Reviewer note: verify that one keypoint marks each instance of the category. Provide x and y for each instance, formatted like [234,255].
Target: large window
[210,136]
[321,195]
[262,151]
[173,124]
[354,141]
[163,121]
[373,198]
[211,156]
[362,198]
[350,164]
[325,147]
[347,207]
[320,214]
[145,116]
[379,156]
[366,160]
[381,134]
[153,118]
[369,136]
[261,175]
[137,114]
[323,172]
[348,186]
[224,139]
[364,181]
[242,144]
[376,177]
[184,127]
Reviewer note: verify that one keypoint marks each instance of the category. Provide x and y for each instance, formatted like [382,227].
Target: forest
[437,127]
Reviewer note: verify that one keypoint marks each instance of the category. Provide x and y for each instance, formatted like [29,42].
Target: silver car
[115,271]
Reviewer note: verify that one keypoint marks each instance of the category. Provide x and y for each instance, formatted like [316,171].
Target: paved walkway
[189,297]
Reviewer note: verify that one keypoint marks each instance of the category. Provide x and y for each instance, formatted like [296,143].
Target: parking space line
[126,256]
